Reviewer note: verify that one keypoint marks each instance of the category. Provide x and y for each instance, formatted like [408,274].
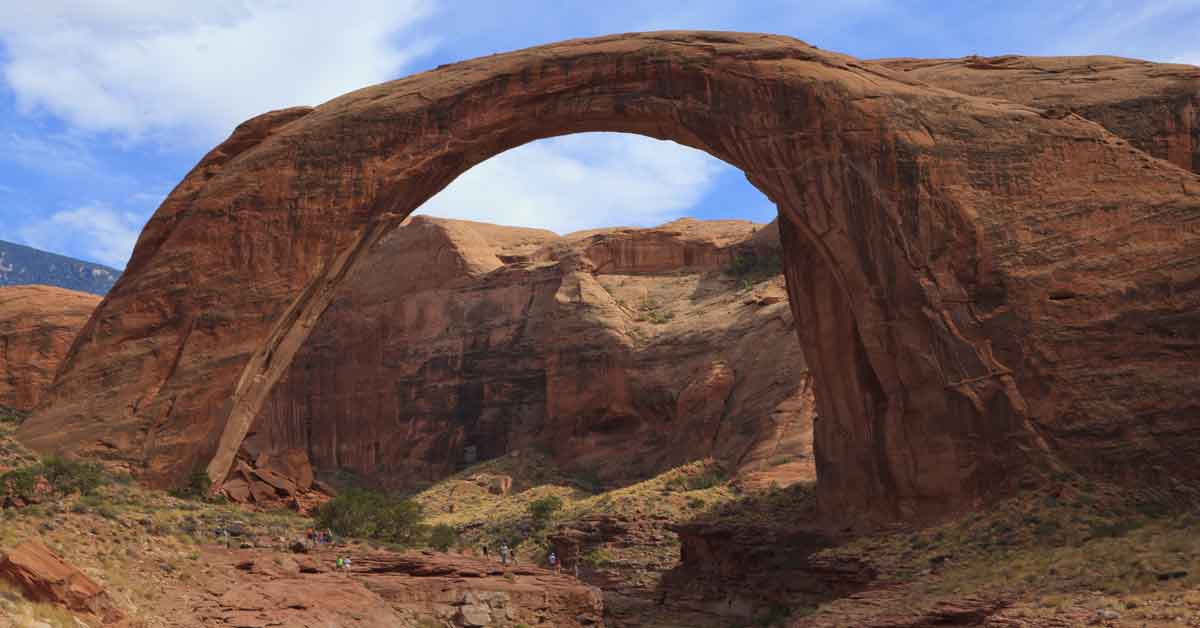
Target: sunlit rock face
[37,326]
[622,352]
[988,291]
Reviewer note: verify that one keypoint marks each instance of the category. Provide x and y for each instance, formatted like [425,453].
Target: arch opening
[896,207]
[617,352]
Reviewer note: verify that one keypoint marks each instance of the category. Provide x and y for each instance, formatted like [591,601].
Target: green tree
[372,515]
[543,509]
[442,537]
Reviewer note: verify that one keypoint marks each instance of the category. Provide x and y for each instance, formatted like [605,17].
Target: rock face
[43,577]
[622,352]
[1155,106]
[988,291]
[390,589]
[37,326]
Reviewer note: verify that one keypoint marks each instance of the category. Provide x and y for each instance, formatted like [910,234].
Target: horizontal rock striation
[621,352]
[37,326]
[988,291]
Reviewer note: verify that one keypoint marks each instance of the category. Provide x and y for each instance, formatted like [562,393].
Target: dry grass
[1076,549]
[481,517]
[14,606]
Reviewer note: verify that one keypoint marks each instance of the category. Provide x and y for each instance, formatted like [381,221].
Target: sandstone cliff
[1155,106]
[994,293]
[621,352]
[37,326]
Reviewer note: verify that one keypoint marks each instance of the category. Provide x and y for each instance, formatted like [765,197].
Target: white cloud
[137,68]
[95,231]
[60,154]
[581,181]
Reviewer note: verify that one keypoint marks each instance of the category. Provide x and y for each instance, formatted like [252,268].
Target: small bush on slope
[65,477]
[442,537]
[10,415]
[372,515]
[543,509]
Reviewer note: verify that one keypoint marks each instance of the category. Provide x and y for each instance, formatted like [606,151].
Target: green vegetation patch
[61,477]
[754,267]
[12,416]
[373,515]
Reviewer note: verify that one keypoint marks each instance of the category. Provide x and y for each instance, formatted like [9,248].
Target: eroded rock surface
[37,326]
[1155,106]
[622,352]
[43,577]
[990,292]
[389,589]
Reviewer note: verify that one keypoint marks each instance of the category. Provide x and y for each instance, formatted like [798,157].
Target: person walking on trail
[553,560]
[485,551]
[503,554]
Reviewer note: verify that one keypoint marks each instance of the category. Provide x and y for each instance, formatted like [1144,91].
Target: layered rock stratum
[991,291]
[621,352]
[37,326]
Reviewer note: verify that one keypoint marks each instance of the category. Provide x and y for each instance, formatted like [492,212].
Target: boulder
[44,577]
[237,489]
[281,484]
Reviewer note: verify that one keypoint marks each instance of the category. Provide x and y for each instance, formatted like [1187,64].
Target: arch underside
[923,231]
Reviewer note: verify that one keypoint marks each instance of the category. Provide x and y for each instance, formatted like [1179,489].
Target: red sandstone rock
[553,349]
[391,589]
[37,326]
[1155,106]
[43,577]
[987,291]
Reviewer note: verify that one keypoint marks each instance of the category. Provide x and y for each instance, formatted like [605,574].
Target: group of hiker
[507,555]
[320,537]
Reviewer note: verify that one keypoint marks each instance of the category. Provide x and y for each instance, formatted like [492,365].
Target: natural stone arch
[924,232]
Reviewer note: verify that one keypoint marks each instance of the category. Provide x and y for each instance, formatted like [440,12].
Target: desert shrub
[442,537]
[542,510]
[708,479]
[752,267]
[11,415]
[372,515]
[651,311]
[197,487]
[597,557]
[696,503]
[64,477]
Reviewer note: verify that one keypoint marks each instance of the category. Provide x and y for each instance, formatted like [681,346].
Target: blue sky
[105,105]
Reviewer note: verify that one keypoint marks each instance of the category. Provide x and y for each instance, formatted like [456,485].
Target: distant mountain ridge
[23,265]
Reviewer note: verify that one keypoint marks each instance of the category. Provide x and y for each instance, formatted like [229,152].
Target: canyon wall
[621,352]
[992,292]
[37,326]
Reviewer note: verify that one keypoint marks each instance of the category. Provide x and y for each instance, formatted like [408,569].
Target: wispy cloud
[137,68]
[581,181]
[95,231]
[57,154]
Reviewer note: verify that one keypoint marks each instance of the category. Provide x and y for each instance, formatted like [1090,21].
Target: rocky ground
[692,547]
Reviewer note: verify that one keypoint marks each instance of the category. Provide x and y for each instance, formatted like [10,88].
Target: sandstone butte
[994,284]
[37,326]
[621,352]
